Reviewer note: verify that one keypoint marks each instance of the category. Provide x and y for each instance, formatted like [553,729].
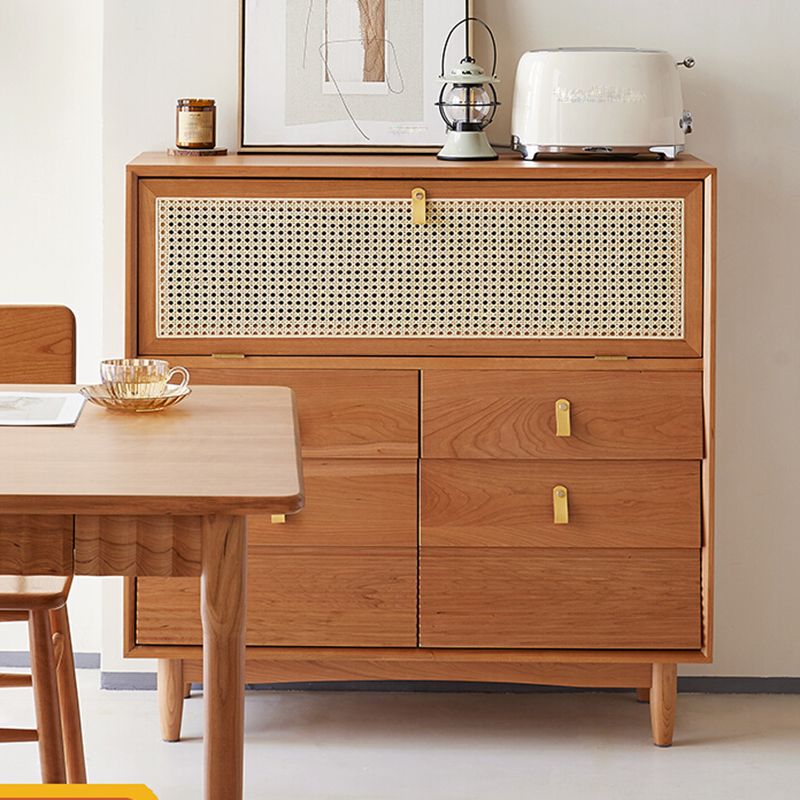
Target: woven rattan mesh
[479,268]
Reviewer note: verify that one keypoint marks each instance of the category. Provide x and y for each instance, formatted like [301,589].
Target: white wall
[746,102]
[50,204]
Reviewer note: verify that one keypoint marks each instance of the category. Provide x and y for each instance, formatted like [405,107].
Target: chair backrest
[37,344]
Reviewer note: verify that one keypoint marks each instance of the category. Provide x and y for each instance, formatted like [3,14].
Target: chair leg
[170,698]
[68,697]
[45,692]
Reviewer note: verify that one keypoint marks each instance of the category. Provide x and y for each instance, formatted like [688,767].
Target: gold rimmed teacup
[127,378]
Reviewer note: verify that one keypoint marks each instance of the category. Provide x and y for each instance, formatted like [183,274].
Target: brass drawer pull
[278,519]
[560,505]
[563,423]
[419,215]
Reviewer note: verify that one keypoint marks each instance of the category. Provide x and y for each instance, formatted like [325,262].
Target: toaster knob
[688,62]
[687,123]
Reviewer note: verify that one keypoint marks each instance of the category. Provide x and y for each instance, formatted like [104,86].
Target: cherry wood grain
[615,415]
[261,669]
[709,406]
[138,545]
[46,700]
[238,374]
[69,705]
[39,544]
[628,504]
[170,698]
[37,344]
[559,598]
[231,449]
[350,503]
[343,413]
[509,167]
[33,592]
[299,596]
[224,610]
[663,699]
[341,572]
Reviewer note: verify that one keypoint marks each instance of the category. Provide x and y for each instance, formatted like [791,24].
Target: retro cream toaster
[599,101]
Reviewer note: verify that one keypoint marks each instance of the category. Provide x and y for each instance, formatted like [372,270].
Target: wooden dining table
[160,494]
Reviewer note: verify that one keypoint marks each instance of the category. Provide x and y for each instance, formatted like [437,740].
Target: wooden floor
[381,746]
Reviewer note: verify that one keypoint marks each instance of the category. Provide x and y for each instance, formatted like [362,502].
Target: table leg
[223,609]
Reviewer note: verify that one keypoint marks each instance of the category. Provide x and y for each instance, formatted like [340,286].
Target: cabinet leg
[187,690]
[643,695]
[170,698]
[663,696]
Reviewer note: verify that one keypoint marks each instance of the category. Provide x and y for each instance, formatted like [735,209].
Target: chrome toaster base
[531,151]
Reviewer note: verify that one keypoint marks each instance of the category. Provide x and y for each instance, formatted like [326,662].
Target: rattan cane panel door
[355,274]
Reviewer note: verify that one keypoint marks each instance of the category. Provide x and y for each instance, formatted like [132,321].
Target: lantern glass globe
[468,104]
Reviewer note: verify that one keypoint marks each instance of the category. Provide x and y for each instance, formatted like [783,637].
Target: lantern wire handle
[466,21]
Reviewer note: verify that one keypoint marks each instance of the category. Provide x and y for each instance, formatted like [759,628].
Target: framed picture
[342,75]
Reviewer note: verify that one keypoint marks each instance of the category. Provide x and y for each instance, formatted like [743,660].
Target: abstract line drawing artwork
[356,52]
[342,73]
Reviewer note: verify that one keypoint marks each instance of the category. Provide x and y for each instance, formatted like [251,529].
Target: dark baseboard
[19,658]
[119,681]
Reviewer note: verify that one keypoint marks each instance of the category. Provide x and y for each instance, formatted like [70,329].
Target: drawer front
[298,596]
[609,504]
[559,598]
[349,503]
[498,267]
[612,415]
[343,572]
[343,413]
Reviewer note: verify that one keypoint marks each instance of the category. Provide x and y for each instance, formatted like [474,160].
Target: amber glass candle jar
[196,124]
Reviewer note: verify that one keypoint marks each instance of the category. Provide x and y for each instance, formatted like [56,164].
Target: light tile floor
[371,746]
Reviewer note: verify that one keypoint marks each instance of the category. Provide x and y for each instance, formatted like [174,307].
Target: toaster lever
[687,122]
[687,62]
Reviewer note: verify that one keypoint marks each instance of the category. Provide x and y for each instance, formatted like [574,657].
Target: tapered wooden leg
[170,698]
[223,609]
[68,699]
[187,690]
[45,691]
[663,696]
[643,695]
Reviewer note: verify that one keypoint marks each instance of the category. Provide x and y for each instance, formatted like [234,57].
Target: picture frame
[342,76]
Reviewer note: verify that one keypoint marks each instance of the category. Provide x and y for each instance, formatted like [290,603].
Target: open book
[40,408]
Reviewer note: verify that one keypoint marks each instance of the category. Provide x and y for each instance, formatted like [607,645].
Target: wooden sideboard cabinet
[506,401]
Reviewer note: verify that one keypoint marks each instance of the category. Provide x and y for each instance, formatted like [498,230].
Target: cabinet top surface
[508,167]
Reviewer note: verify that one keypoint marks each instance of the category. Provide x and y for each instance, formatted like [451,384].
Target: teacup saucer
[100,396]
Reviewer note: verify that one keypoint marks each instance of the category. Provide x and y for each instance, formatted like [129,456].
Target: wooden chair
[37,345]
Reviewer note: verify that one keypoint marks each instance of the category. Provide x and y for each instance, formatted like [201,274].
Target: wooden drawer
[341,573]
[299,596]
[349,503]
[559,598]
[614,415]
[627,504]
[343,413]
